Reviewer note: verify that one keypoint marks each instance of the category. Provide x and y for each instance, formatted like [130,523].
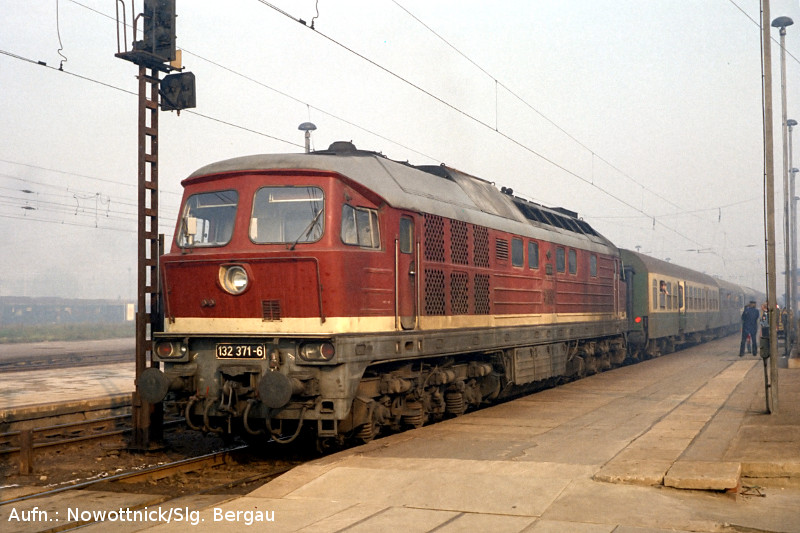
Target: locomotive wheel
[370,430]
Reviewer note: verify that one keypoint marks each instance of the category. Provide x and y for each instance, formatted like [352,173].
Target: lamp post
[782,23]
[791,123]
[793,175]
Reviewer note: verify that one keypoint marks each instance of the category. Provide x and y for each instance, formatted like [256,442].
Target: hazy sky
[642,116]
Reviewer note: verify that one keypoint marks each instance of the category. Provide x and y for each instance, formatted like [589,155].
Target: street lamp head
[791,122]
[307,126]
[782,22]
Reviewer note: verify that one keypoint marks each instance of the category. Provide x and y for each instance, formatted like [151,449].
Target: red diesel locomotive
[345,292]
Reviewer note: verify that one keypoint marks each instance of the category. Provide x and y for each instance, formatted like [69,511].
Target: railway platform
[55,393]
[678,443]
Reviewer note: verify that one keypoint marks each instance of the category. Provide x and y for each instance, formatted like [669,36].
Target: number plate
[241,351]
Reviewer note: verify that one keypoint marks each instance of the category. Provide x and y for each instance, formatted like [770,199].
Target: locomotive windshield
[208,219]
[287,215]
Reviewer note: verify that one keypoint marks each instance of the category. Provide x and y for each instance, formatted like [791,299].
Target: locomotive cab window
[360,227]
[208,219]
[593,266]
[287,215]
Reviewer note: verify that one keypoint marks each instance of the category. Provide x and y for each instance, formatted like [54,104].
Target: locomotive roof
[438,190]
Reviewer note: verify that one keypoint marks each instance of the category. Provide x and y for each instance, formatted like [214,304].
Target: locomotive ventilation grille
[501,249]
[459,251]
[482,306]
[434,238]
[434,292]
[459,293]
[480,244]
[271,310]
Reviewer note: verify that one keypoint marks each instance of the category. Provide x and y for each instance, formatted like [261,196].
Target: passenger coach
[670,306]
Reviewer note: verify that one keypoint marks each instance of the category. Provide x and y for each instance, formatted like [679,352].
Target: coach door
[406,274]
[681,306]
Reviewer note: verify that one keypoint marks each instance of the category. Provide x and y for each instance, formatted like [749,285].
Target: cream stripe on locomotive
[339,325]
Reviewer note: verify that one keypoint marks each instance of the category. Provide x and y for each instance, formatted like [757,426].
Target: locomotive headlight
[170,349]
[317,352]
[233,278]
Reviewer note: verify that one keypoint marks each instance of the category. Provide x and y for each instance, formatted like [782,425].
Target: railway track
[61,434]
[32,432]
[63,360]
[150,504]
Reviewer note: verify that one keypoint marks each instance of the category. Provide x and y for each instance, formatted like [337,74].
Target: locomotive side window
[287,215]
[360,227]
[208,219]
[573,261]
[533,254]
[560,260]
[517,252]
[593,265]
[406,235]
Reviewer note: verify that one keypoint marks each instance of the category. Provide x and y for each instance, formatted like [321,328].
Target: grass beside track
[64,332]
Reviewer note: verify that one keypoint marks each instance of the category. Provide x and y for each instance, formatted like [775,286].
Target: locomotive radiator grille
[434,292]
[459,293]
[434,238]
[480,243]
[459,247]
[482,306]
[271,310]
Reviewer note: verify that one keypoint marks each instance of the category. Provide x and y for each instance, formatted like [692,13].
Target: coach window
[560,260]
[593,265]
[517,252]
[533,255]
[573,262]
[669,295]
[662,294]
[655,295]
[360,227]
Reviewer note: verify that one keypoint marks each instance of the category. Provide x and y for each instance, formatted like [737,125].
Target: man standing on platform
[750,317]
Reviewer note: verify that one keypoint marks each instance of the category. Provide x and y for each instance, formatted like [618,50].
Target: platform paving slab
[704,475]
